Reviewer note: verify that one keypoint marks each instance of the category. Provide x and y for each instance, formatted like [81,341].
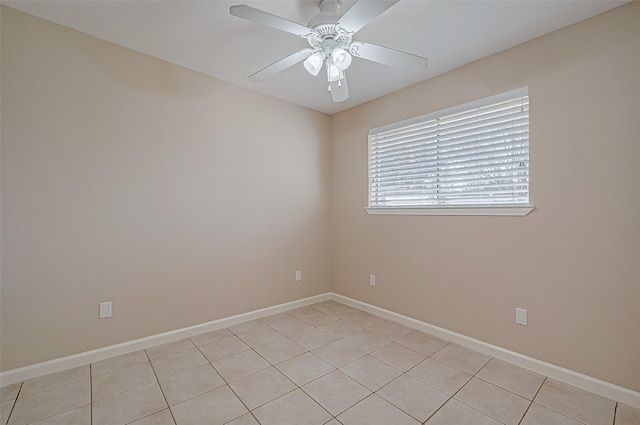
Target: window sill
[520,210]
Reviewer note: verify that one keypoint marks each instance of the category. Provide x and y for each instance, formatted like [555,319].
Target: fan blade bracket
[281,65]
[343,32]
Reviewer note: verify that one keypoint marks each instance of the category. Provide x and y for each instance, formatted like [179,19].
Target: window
[471,159]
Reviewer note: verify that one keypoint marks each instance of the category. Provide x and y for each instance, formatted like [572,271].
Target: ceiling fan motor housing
[324,26]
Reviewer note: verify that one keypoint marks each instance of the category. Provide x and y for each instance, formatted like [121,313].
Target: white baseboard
[57,365]
[568,376]
[585,382]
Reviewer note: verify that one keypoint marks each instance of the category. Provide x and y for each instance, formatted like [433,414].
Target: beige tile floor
[322,364]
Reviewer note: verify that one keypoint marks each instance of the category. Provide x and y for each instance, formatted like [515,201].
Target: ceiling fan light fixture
[341,58]
[313,64]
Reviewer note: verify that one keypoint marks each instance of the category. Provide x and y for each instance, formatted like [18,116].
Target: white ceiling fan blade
[339,92]
[265,18]
[387,56]
[281,65]
[363,12]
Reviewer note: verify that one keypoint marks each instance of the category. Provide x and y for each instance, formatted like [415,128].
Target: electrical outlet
[298,275]
[105,310]
[521,316]
[372,280]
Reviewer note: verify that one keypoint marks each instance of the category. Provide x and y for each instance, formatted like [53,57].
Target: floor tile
[54,380]
[50,402]
[362,319]
[246,419]
[79,416]
[574,403]
[371,372]
[440,376]
[10,392]
[318,318]
[216,407]
[244,327]
[162,417]
[624,417]
[129,406]
[338,353]
[398,356]
[457,413]
[413,397]
[336,392]
[260,336]
[210,337]
[219,350]
[302,311]
[461,359]
[375,411]
[339,328]
[169,348]
[121,380]
[366,341]
[124,360]
[291,326]
[179,362]
[294,408]
[275,318]
[634,410]
[511,378]
[493,401]
[262,387]
[5,410]
[584,392]
[304,368]
[186,385]
[539,415]
[422,343]
[240,365]
[326,305]
[312,339]
[390,330]
[341,310]
[333,422]
[279,350]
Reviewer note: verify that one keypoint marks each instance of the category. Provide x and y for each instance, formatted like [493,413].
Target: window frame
[455,210]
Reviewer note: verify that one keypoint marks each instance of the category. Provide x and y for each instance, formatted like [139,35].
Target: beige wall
[178,197]
[574,262]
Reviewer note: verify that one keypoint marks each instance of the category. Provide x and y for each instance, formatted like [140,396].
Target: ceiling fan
[330,37]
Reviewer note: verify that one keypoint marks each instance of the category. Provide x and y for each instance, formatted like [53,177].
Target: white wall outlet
[372,279]
[521,316]
[298,275]
[105,310]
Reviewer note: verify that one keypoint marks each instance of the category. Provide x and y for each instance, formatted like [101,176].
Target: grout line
[531,402]
[15,401]
[160,386]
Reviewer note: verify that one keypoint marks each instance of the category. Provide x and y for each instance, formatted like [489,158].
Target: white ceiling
[203,36]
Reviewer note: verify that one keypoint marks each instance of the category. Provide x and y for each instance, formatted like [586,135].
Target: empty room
[305,212]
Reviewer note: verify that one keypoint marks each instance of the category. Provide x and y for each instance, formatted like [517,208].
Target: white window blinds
[475,154]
